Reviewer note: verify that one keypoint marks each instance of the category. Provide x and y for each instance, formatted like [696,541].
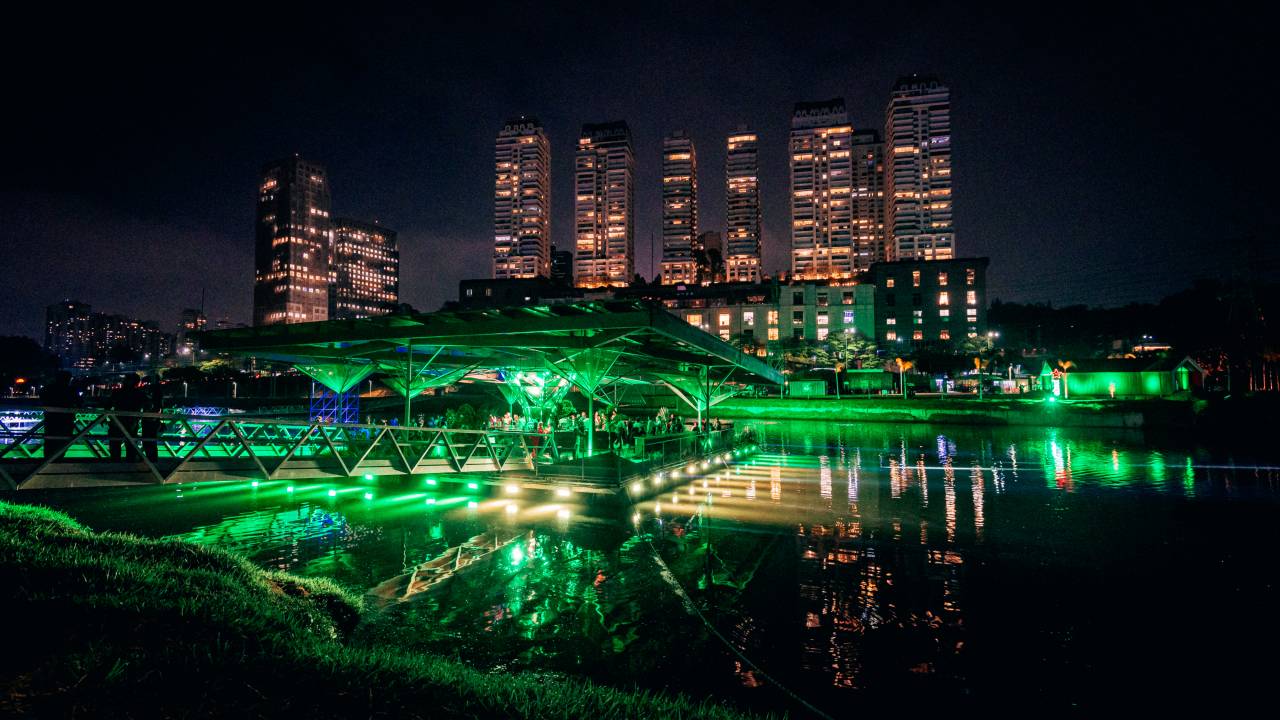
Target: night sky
[1101,156]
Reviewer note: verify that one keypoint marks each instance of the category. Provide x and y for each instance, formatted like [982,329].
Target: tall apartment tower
[821,184]
[366,265]
[293,244]
[604,206]
[869,229]
[918,179]
[742,208]
[679,209]
[522,201]
[67,331]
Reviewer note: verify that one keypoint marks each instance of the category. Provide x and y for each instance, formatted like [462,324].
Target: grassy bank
[112,625]
[966,411]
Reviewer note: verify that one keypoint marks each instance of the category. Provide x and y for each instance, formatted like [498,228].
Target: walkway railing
[71,448]
[78,447]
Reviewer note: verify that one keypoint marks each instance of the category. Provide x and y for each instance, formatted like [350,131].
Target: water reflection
[1016,582]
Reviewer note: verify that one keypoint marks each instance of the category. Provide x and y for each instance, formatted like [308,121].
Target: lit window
[773,317]
[748,317]
[822,333]
[971,297]
[942,278]
[822,318]
[695,319]
[888,282]
[944,298]
[891,335]
[773,333]
[915,278]
[891,321]
[917,334]
[724,320]
[944,335]
[969,276]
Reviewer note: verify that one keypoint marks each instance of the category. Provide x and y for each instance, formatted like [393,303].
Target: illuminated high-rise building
[679,209]
[604,206]
[293,244]
[869,229]
[742,208]
[918,177]
[821,184]
[522,201]
[366,269]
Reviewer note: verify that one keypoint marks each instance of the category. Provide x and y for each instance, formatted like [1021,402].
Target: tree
[22,357]
[902,366]
[121,353]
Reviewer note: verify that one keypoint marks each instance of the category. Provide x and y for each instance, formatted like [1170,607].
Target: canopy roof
[591,343]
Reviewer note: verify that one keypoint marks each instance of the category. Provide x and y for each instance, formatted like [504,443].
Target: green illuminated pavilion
[534,353]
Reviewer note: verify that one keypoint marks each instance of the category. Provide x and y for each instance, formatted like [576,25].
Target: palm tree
[1065,365]
[980,365]
[903,367]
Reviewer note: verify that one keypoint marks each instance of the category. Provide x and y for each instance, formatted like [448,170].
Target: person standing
[126,399]
[60,401]
[151,425]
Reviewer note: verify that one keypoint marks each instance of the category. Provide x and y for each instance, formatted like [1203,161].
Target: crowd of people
[609,428]
[61,401]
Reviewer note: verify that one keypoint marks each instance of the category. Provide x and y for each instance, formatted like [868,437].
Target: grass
[113,625]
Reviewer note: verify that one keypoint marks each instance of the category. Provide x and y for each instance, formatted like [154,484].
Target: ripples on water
[852,564]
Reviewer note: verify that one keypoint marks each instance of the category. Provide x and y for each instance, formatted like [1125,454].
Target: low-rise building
[923,303]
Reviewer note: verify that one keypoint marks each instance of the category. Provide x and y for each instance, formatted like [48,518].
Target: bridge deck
[101,447]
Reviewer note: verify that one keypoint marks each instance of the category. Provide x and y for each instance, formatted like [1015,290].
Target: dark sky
[1101,156]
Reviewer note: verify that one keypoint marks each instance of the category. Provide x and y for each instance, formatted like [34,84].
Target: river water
[840,567]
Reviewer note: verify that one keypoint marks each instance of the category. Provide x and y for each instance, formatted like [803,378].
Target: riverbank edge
[112,624]
[1118,414]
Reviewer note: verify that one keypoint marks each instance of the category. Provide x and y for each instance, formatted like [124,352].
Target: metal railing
[73,447]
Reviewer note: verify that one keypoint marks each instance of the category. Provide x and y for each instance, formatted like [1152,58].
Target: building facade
[709,257]
[366,270]
[742,207]
[918,177]
[867,196]
[561,266]
[821,185]
[930,302]
[522,201]
[83,339]
[679,209]
[67,332]
[604,206]
[293,244]
[191,322]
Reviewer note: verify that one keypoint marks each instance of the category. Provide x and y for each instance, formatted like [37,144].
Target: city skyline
[409,143]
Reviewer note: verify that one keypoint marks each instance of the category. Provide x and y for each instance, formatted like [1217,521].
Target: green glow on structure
[338,377]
